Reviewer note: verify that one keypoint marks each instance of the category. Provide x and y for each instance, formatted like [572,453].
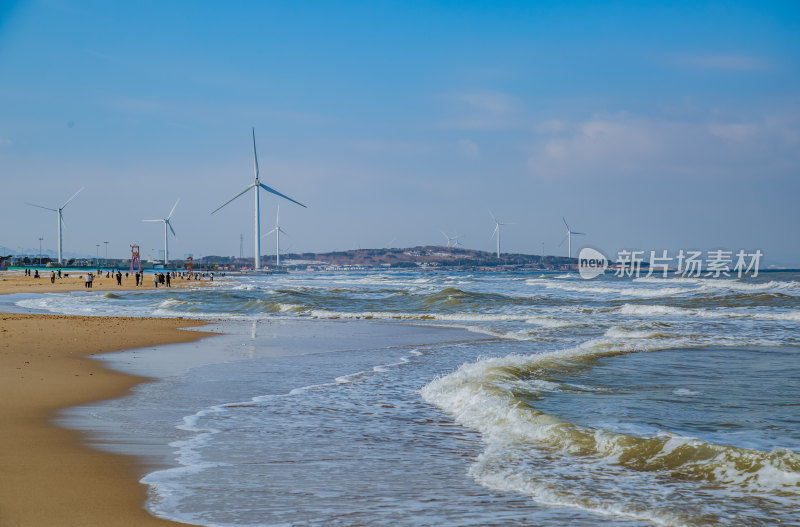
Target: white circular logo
[591,263]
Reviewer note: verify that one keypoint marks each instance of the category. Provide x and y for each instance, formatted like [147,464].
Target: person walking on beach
[59,274]
[155,280]
[52,277]
[169,284]
[119,278]
[90,279]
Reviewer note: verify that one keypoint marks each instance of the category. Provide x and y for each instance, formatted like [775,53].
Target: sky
[647,125]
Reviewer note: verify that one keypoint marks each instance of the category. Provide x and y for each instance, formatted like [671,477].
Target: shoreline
[50,475]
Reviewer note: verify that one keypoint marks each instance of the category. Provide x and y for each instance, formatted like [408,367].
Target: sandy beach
[16,282]
[49,477]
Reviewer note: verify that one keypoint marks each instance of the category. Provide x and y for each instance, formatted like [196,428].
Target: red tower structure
[135,258]
[189,265]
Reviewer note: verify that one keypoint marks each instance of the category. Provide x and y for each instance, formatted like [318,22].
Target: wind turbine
[568,237]
[257,184]
[278,231]
[60,218]
[496,231]
[167,224]
[451,239]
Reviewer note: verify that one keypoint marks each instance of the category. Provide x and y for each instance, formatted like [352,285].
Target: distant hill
[421,256]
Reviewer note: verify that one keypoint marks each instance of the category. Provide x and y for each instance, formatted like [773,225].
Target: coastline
[49,476]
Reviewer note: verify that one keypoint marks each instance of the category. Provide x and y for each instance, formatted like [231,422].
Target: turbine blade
[562,241]
[233,198]
[268,233]
[255,156]
[565,222]
[496,228]
[73,197]
[173,208]
[573,232]
[171,229]
[268,189]
[40,206]
[152,220]
[492,215]
[282,231]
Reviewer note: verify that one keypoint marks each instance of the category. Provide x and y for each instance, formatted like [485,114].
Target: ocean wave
[658,310]
[732,284]
[486,397]
[551,322]
[594,288]
[397,315]
[625,333]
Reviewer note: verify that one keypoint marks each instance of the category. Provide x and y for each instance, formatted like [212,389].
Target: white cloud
[734,131]
[483,110]
[389,146]
[551,127]
[625,145]
[468,148]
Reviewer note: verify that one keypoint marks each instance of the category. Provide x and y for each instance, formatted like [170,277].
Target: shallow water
[630,402]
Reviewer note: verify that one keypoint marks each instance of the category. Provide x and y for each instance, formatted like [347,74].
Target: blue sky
[648,125]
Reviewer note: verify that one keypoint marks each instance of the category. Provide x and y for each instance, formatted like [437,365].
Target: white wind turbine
[278,231]
[257,184]
[452,241]
[167,224]
[568,237]
[60,218]
[496,231]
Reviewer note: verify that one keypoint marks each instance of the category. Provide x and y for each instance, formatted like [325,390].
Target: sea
[462,398]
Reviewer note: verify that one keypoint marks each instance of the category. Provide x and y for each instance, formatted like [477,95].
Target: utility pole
[106,253]
[241,246]
[97,256]
[40,250]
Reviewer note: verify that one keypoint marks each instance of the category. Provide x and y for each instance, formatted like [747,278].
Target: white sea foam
[551,322]
[168,485]
[735,285]
[625,333]
[684,392]
[623,290]
[789,316]
[656,310]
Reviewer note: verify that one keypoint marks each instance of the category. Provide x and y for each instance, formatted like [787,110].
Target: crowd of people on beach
[159,278]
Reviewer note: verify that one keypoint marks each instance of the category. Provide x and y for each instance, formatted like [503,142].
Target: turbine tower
[568,237]
[496,231]
[167,224]
[278,231]
[60,218]
[257,184]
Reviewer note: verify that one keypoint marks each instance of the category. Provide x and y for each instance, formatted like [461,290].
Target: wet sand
[48,476]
